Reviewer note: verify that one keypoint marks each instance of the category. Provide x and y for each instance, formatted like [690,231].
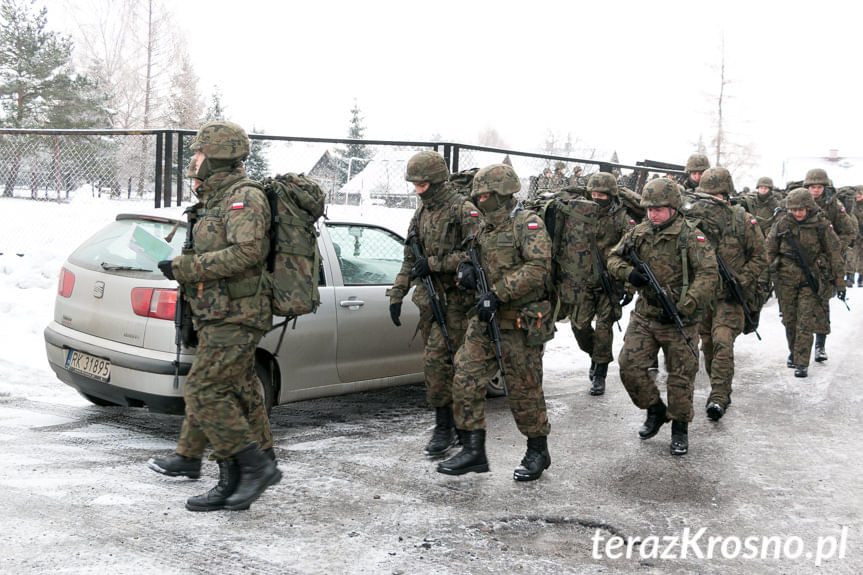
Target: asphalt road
[775,484]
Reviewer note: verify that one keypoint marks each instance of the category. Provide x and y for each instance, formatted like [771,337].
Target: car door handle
[352,303]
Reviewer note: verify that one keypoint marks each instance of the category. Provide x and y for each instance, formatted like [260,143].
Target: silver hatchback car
[113,338]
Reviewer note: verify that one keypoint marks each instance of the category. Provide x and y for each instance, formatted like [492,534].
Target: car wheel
[494,388]
[265,375]
[99,401]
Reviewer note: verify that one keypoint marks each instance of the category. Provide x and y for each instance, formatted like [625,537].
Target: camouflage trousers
[857,253]
[595,341]
[641,343]
[718,329]
[437,362]
[476,364]
[224,400]
[803,314]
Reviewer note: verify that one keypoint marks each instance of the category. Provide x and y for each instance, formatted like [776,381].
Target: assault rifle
[605,282]
[493,326]
[736,292]
[798,256]
[184,332]
[664,300]
[436,305]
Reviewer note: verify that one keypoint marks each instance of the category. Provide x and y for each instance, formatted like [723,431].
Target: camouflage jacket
[612,224]
[516,257]
[819,244]
[224,279]
[763,208]
[442,222]
[860,219]
[680,257]
[734,234]
[843,224]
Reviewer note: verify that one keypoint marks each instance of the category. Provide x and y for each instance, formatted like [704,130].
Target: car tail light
[66,283]
[157,303]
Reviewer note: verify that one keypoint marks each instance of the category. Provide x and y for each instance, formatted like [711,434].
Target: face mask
[603,203]
[490,205]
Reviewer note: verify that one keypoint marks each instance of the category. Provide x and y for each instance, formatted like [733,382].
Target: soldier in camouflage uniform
[226,286]
[818,184]
[804,309]
[613,222]
[695,166]
[858,243]
[737,239]
[558,178]
[515,254]
[440,224]
[684,264]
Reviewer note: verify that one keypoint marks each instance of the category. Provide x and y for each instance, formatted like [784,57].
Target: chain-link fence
[151,164]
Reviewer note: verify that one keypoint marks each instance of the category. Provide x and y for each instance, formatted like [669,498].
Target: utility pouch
[535,320]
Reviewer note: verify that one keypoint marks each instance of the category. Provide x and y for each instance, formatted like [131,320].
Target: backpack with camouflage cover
[571,222]
[296,203]
[462,181]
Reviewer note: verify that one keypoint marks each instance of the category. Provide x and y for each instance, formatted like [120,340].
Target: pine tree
[257,165]
[353,157]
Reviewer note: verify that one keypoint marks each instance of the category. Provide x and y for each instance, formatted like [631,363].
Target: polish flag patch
[632,222]
[237,206]
[533,226]
[753,221]
[474,214]
[701,238]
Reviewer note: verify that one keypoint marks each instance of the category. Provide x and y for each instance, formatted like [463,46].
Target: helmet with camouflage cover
[559,165]
[800,198]
[427,166]
[765,181]
[659,193]
[716,181]
[496,179]
[816,176]
[602,182]
[221,140]
[697,163]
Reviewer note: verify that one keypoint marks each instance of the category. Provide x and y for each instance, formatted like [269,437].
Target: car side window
[367,255]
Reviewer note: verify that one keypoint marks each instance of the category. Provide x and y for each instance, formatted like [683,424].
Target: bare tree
[491,138]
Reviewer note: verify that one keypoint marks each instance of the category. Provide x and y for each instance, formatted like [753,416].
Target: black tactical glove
[466,276]
[396,312]
[421,268]
[626,299]
[841,295]
[165,268]
[637,278]
[486,306]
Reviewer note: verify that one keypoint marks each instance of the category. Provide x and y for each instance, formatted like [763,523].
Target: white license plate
[88,365]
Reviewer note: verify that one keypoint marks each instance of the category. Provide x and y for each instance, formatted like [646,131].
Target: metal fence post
[180,170]
[169,154]
[158,182]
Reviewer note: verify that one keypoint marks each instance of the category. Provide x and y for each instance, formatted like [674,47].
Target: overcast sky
[641,78]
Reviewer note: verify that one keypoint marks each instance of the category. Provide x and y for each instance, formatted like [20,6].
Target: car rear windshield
[130,245]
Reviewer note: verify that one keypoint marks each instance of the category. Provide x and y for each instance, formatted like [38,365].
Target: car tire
[99,401]
[264,371]
[494,388]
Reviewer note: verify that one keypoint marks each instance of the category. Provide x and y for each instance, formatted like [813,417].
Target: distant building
[842,170]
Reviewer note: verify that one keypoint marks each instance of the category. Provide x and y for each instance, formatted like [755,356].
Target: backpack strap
[682,244]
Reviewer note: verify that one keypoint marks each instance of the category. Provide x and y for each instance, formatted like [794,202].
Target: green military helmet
[816,176]
[765,181]
[602,182]
[697,163]
[716,181]
[661,192]
[221,140]
[800,198]
[496,179]
[559,165]
[427,166]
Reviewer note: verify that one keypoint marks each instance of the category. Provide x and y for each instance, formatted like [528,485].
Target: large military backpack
[462,181]
[296,203]
[571,223]
[632,202]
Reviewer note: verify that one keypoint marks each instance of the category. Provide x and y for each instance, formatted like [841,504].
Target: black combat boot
[214,499]
[598,387]
[535,460]
[801,371]
[470,459]
[715,411]
[656,417]
[257,472]
[790,362]
[271,453]
[176,465]
[859,280]
[443,436]
[679,438]
[592,371]
[820,343]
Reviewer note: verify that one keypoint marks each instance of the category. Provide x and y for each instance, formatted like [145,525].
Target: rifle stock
[605,282]
[183,330]
[664,300]
[736,291]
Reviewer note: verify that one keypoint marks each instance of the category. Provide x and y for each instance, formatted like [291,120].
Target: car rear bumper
[138,378]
